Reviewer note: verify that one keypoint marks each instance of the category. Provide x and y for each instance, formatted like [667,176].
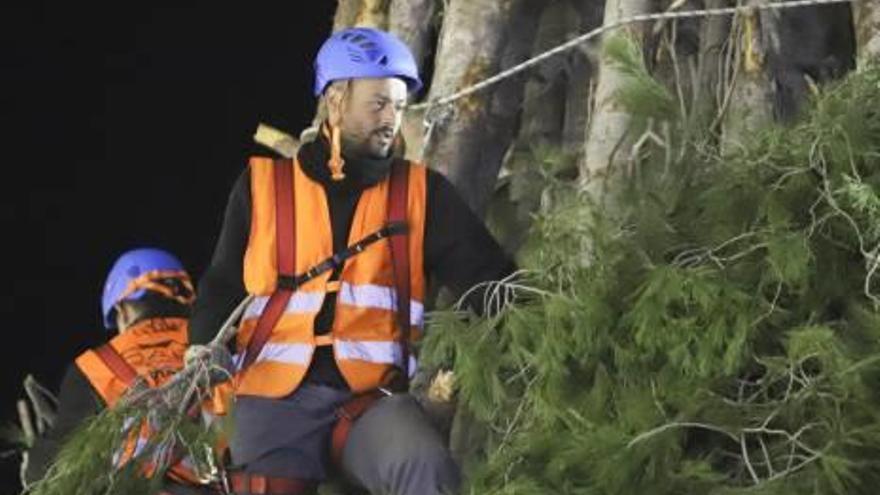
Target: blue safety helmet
[361,53]
[136,272]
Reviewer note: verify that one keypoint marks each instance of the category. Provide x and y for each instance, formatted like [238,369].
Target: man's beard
[376,145]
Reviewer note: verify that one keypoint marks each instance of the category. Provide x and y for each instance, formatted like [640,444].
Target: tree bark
[581,80]
[866,15]
[543,116]
[714,33]
[605,147]
[346,13]
[671,51]
[366,13]
[412,22]
[373,13]
[478,38]
[749,102]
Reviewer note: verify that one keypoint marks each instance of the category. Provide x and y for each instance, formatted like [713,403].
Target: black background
[123,126]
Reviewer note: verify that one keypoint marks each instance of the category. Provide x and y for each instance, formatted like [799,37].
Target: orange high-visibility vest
[365,335]
[151,349]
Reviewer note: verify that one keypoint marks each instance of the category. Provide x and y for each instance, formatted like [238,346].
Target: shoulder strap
[285,230]
[123,371]
[397,208]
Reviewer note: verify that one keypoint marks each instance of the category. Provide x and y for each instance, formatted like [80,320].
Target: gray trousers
[392,449]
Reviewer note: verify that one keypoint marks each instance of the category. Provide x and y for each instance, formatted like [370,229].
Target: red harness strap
[285,228]
[286,244]
[128,375]
[348,413]
[257,484]
[397,207]
[117,364]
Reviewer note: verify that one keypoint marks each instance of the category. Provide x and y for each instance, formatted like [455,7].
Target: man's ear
[123,316]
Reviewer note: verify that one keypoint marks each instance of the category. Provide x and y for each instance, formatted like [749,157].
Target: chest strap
[285,226]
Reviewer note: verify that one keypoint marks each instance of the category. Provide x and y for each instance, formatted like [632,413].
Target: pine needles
[112,453]
[716,333]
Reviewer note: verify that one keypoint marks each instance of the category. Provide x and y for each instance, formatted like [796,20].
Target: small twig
[508,433]
[668,426]
[745,457]
[27,425]
[767,460]
[770,311]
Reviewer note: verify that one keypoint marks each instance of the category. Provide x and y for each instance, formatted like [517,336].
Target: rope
[431,116]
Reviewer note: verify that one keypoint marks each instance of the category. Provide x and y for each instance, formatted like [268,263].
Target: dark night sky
[126,125]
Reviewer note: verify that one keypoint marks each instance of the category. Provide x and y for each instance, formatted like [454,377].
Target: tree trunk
[581,80]
[543,116]
[749,102]
[579,93]
[478,38]
[867,22]
[346,13]
[671,52]
[605,148]
[542,123]
[714,33]
[366,13]
[413,22]
[373,13]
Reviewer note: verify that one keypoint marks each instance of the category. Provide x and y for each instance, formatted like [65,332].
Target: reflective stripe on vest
[375,352]
[379,297]
[365,335]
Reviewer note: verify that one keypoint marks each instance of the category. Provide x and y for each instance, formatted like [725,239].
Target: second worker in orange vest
[335,246]
[147,298]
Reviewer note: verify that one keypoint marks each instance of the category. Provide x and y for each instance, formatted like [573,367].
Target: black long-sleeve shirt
[77,401]
[459,252]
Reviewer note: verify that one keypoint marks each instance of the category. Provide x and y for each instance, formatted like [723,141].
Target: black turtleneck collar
[360,173]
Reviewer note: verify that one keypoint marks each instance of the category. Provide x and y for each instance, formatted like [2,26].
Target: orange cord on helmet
[336,161]
[334,135]
[151,281]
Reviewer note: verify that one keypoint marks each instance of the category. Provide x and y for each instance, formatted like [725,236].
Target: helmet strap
[333,131]
[151,281]
[336,162]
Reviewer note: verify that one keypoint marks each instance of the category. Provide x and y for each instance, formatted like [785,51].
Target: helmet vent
[362,52]
[355,56]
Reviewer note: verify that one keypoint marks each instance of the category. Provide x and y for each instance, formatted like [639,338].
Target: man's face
[370,116]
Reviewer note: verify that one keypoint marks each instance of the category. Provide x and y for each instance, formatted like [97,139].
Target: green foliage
[716,333]
[645,95]
[88,462]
